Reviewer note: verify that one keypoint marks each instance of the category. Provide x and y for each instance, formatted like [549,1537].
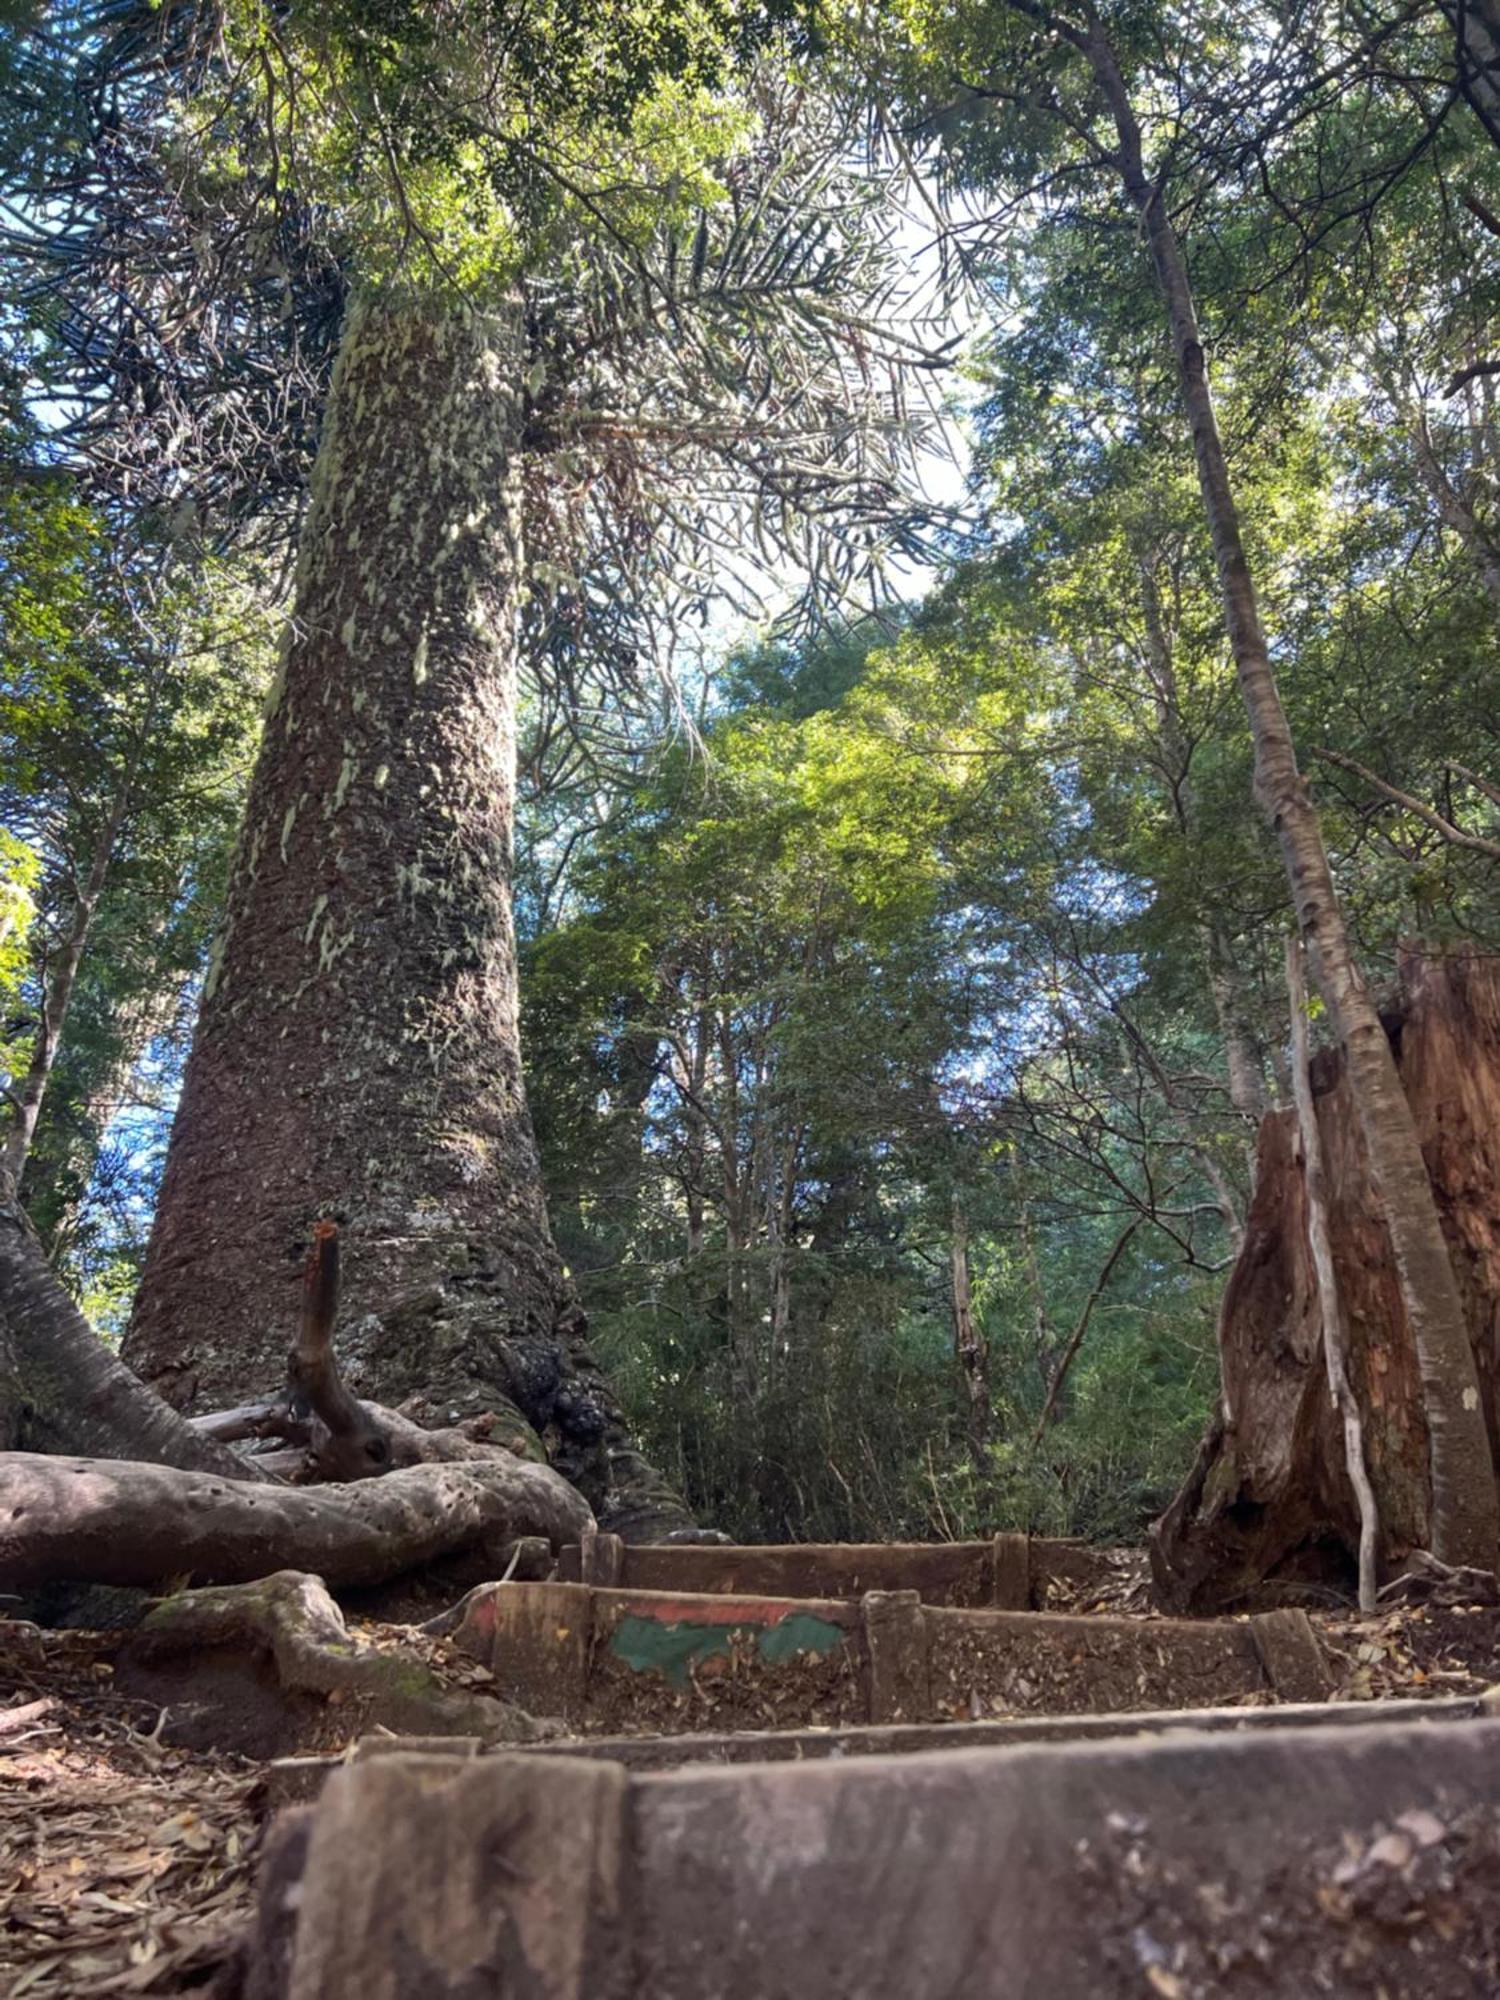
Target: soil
[132,1841]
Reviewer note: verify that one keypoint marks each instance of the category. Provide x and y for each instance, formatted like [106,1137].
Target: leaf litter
[126,1867]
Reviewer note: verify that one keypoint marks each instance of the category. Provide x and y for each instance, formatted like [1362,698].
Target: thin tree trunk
[1075,1340]
[1330,1303]
[68,1143]
[1453,510]
[1043,1344]
[357,1054]
[1241,1057]
[969,1344]
[62,976]
[735,1175]
[782,1215]
[1466,1514]
[696,1141]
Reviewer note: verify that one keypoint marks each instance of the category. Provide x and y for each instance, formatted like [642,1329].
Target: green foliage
[776,1041]
[450,144]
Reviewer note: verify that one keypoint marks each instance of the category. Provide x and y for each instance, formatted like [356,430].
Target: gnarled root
[289,1620]
[116,1521]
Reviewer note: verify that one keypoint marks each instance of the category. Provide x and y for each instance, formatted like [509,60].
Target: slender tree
[1466,1508]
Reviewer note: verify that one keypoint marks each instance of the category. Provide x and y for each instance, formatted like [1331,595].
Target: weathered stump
[1268,1500]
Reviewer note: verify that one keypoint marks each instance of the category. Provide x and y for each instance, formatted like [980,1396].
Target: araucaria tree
[610,325]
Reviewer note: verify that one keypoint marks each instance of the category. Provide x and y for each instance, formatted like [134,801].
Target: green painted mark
[648,1646]
[799,1632]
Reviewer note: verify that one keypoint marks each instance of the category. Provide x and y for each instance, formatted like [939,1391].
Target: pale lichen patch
[331,947]
[215,971]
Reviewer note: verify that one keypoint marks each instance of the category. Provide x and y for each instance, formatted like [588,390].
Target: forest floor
[131,1865]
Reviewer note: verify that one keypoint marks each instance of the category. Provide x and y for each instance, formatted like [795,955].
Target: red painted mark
[711,1610]
[480,1617]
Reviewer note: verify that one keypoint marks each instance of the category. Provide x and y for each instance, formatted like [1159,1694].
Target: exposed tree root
[113,1521]
[290,1620]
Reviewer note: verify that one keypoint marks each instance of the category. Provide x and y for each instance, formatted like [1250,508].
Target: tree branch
[1455,835]
[1075,1339]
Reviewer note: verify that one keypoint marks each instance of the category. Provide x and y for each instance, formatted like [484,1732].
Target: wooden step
[1004,1573]
[296,1780]
[630,1660]
[1264,1865]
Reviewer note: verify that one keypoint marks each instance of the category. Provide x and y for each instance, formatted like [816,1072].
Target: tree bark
[99,1520]
[1330,1299]
[1465,1507]
[357,1054]
[1269,1498]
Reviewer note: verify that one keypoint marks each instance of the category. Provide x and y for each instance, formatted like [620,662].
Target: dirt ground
[128,1867]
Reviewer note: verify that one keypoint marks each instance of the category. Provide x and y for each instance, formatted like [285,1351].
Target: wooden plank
[1261,1864]
[632,1659]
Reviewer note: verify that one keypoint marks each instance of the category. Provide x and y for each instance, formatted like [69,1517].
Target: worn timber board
[629,1660]
[1262,1865]
[1007,1572]
[294,1780]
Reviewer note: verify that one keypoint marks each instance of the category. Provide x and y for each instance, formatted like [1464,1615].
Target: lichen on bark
[357,1054]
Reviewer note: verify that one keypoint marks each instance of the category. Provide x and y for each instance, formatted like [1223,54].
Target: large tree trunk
[1269,1498]
[357,1054]
[1465,1521]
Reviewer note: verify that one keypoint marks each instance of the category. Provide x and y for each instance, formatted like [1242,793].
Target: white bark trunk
[1330,1304]
[1465,1514]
